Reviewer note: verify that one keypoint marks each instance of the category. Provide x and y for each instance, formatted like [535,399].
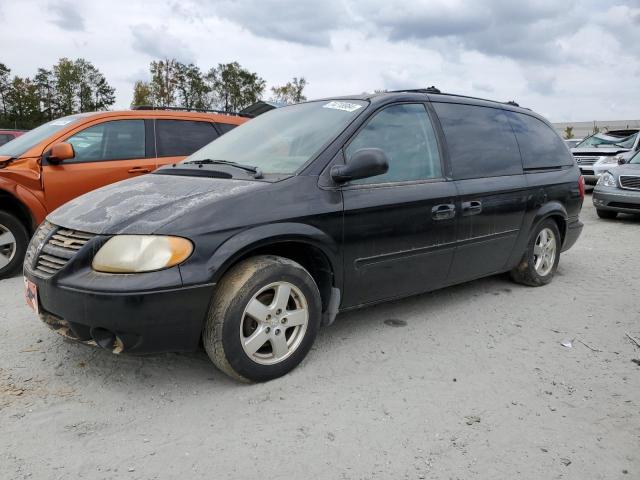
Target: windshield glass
[20,145]
[604,140]
[635,159]
[284,139]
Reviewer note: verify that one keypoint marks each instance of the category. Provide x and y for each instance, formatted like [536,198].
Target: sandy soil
[476,385]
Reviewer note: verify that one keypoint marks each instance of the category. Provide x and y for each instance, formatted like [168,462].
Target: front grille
[586,160]
[631,182]
[60,246]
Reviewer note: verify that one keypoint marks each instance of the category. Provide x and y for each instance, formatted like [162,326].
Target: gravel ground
[475,385]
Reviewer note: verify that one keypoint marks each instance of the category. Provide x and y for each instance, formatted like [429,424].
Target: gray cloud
[157,42]
[66,16]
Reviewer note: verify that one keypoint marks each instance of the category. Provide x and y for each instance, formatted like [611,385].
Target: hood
[142,205]
[627,169]
[596,151]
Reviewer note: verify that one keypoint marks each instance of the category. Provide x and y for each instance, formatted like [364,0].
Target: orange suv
[64,158]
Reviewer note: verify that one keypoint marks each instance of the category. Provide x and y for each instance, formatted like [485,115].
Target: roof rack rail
[430,89]
[512,103]
[185,109]
[433,89]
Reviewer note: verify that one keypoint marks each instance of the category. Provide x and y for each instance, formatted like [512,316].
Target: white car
[603,151]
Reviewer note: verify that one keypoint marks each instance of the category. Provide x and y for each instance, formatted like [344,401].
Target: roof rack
[185,109]
[433,89]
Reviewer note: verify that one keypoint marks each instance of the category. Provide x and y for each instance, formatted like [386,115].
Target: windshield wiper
[257,173]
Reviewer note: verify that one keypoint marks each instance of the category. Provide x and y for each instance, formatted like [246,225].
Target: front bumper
[616,199]
[591,173]
[135,322]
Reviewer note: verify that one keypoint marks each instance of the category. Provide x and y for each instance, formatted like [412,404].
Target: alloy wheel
[274,323]
[544,252]
[7,246]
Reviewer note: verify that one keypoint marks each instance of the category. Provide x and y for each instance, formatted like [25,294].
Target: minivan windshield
[283,140]
[20,145]
[602,139]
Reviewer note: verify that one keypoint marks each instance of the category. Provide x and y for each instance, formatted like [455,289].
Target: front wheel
[540,260]
[13,244]
[263,319]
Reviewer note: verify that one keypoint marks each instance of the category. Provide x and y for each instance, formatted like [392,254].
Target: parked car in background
[259,238]
[64,158]
[572,142]
[8,135]
[600,152]
[618,190]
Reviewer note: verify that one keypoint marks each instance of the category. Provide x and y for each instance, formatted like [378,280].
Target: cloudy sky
[569,60]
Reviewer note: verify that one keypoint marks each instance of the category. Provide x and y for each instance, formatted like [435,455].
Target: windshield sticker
[62,121]
[345,106]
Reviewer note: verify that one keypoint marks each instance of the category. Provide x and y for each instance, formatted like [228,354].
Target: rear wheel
[263,320]
[540,261]
[13,244]
[608,214]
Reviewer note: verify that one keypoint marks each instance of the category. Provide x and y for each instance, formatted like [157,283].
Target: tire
[13,244]
[532,270]
[608,214]
[254,285]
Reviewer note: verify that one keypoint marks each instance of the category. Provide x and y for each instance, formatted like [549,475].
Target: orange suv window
[115,140]
[176,138]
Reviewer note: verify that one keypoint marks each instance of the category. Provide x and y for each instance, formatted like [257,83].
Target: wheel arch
[11,203]
[555,211]
[312,248]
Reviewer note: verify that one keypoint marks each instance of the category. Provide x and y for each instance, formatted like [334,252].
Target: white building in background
[583,129]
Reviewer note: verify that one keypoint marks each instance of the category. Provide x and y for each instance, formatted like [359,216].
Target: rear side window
[115,140]
[540,146]
[405,134]
[480,141]
[226,127]
[175,138]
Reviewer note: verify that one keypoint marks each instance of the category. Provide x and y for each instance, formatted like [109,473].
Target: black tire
[222,330]
[526,273]
[10,223]
[608,214]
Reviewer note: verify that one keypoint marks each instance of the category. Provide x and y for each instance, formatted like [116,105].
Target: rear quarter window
[540,146]
[480,141]
[175,138]
[226,127]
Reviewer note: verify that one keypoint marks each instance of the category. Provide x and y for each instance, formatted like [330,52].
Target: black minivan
[262,236]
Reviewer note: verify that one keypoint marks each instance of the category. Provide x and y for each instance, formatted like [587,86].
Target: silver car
[603,151]
[618,190]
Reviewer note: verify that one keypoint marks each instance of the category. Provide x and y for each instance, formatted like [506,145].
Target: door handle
[139,170]
[473,207]
[444,211]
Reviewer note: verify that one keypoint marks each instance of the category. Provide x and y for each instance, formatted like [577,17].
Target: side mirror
[364,163]
[60,152]
[621,161]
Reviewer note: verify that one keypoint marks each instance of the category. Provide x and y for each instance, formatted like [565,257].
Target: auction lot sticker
[31,294]
[346,106]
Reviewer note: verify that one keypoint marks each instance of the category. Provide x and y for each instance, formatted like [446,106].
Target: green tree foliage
[163,81]
[234,87]
[69,87]
[568,132]
[142,94]
[291,92]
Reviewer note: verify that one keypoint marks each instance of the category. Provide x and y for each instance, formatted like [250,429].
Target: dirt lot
[476,385]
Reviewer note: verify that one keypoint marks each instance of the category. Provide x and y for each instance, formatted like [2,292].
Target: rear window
[540,146]
[175,138]
[5,137]
[480,141]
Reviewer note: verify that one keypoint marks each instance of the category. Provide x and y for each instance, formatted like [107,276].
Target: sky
[570,60]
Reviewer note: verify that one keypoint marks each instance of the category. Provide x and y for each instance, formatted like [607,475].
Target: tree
[234,87]
[291,92]
[163,81]
[193,91]
[5,86]
[142,94]
[66,81]
[24,103]
[568,132]
[45,83]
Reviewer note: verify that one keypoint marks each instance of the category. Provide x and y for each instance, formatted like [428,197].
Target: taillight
[581,187]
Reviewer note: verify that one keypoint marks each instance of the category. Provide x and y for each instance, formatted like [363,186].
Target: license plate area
[31,295]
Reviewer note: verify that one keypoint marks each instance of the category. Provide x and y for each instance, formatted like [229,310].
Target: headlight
[608,161]
[141,253]
[607,180]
